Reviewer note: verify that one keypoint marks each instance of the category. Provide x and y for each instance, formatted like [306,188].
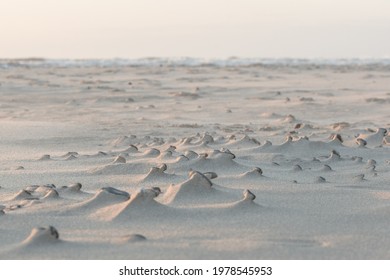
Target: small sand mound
[104,197]
[340,126]
[198,189]
[358,178]
[374,139]
[210,175]
[141,204]
[181,158]
[191,154]
[197,178]
[76,187]
[131,238]
[246,203]
[256,173]
[101,154]
[18,167]
[320,179]
[131,149]
[170,149]
[151,153]
[45,157]
[119,159]
[154,172]
[297,168]
[157,173]
[357,159]
[73,191]
[334,156]
[326,168]
[68,154]
[288,119]
[207,139]
[163,167]
[223,153]
[196,181]
[303,126]
[42,235]
[248,196]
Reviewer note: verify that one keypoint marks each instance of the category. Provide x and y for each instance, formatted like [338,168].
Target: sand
[205,161]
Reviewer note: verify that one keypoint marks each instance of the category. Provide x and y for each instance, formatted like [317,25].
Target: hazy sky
[197,28]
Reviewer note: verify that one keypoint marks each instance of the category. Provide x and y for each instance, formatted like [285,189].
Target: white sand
[248,160]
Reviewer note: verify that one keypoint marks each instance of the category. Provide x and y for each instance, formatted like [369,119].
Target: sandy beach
[165,160]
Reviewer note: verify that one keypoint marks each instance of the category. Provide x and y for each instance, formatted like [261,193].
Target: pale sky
[195,28]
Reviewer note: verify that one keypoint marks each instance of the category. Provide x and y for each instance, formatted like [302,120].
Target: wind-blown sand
[194,162]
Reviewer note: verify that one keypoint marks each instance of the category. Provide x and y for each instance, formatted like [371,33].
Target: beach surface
[198,161]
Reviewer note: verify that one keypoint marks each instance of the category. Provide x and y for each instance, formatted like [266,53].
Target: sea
[189,61]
